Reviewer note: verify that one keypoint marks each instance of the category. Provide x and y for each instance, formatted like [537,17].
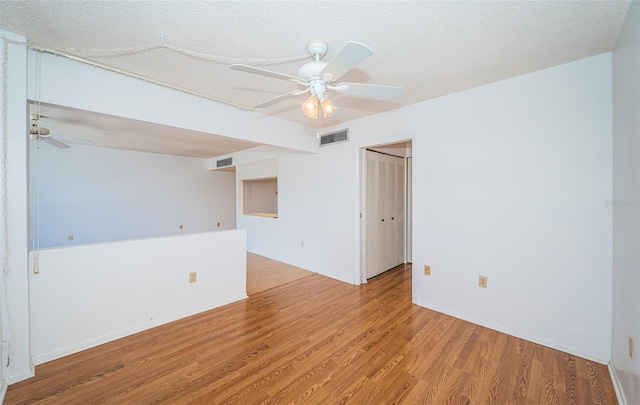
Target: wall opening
[385,201]
[260,197]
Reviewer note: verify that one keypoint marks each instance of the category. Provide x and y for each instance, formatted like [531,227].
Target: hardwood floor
[319,341]
[264,273]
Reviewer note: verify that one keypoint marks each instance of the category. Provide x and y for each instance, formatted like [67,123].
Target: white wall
[626,206]
[313,194]
[261,169]
[99,194]
[511,181]
[14,303]
[87,295]
[65,83]
[514,179]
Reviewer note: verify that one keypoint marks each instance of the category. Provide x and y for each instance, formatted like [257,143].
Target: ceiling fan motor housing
[311,70]
[38,131]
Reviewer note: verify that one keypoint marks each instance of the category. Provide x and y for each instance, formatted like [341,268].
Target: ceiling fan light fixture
[318,77]
[328,108]
[310,107]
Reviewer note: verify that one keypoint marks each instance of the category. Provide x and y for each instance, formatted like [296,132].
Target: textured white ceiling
[429,48]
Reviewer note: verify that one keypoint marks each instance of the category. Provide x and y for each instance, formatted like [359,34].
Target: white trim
[535,339]
[408,208]
[362,222]
[616,384]
[415,214]
[360,190]
[87,344]
[3,391]
[31,372]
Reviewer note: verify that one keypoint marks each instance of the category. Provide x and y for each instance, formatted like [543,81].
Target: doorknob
[392,218]
[382,219]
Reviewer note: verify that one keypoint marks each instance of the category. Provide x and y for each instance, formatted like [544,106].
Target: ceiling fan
[39,133]
[318,77]
[36,132]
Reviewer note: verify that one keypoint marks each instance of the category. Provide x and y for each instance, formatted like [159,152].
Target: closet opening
[386,209]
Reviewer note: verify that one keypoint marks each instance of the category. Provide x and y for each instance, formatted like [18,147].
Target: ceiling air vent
[335,137]
[224,162]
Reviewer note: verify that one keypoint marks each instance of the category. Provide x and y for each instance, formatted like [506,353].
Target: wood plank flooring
[319,341]
[264,273]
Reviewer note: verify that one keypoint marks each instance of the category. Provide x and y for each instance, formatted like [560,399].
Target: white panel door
[398,220]
[384,210]
[408,204]
[371,213]
[391,215]
[395,211]
[383,254]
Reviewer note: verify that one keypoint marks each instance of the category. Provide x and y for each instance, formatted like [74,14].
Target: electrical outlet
[427,270]
[192,277]
[631,347]
[482,281]
[180,226]
[302,243]
[69,238]
[218,224]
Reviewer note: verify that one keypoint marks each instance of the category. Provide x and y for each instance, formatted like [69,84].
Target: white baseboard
[616,384]
[535,339]
[88,344]
[3,391]
[21,376]
[16,378]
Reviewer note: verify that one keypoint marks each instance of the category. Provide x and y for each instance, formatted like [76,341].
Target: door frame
[362,204]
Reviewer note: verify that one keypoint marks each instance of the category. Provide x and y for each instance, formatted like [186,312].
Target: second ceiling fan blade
[55,143]
[74,141]
[349,57]
[264,72]
[370,90]
[278,99]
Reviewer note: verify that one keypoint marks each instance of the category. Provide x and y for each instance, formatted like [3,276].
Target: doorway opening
[386,208]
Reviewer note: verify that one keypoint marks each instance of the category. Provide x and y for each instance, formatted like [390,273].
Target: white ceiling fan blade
[370,90]
[74,141]
[279,98]
[349,57]
[55,143]
[263,72]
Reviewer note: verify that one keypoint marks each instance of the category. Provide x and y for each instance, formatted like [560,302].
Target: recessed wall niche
[260,197]
[258,188]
